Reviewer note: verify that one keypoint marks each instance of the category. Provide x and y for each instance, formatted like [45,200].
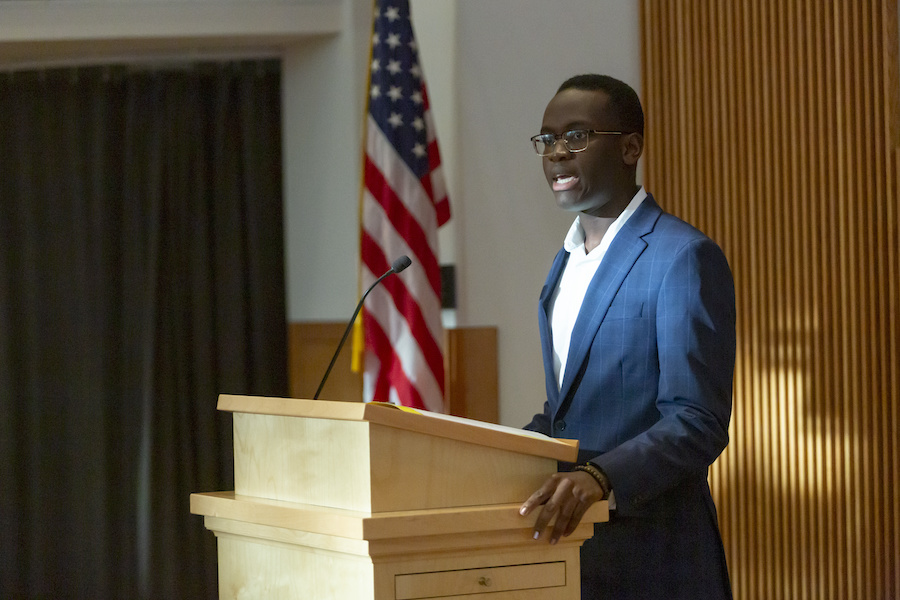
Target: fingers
[563,505]
[539,497]
[573,521]
[565,497]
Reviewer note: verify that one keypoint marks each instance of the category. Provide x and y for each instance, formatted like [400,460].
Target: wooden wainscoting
[470,366]
[310,348]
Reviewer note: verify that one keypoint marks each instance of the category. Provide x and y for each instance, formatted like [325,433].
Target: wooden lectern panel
[507,578]
[403,462]
[272,549]
[352,501]
[484,434]
[380,530]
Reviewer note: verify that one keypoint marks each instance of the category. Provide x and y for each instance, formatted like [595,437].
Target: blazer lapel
[624,251]
[544,324]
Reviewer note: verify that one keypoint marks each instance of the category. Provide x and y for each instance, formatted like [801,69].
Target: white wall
[491,67]
[512,55]
[323,83]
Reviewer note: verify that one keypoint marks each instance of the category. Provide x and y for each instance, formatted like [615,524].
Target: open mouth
[564,182]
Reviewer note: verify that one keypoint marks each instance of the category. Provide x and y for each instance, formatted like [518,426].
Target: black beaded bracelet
[598,475]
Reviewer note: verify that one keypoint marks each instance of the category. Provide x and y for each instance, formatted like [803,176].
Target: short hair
[623,100]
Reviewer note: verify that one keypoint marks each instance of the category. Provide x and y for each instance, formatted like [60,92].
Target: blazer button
[560,425]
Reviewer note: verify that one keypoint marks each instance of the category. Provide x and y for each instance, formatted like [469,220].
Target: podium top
[446,426]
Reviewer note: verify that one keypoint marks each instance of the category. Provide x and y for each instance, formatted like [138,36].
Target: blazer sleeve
[695,338]
[541,421]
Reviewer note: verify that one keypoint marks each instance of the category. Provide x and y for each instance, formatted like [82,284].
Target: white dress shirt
[575,279]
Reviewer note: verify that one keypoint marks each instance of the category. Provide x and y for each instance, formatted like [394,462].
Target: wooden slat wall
[773,125]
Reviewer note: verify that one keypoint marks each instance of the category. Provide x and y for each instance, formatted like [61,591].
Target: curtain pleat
[141,274]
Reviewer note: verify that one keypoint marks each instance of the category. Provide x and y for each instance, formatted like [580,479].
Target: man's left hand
[565,496]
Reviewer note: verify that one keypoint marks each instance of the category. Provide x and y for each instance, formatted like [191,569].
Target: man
[638,334]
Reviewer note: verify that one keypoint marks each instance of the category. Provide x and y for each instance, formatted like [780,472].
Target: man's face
[583,181]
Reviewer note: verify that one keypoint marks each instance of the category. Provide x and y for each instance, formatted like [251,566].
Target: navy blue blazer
[647,392]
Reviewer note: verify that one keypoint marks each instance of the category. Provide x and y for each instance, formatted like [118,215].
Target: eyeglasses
[575,140]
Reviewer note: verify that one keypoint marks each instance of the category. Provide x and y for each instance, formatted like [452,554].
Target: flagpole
[358,343]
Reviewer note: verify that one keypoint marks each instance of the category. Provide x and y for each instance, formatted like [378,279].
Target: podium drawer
[485,580]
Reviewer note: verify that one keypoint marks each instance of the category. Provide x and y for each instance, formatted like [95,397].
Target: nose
[559,151]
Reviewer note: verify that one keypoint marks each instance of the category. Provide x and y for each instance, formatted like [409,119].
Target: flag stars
[393,40]
[394,67]
[395,120]
[395,93]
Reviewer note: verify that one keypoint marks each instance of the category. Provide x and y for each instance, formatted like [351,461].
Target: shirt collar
[575,237]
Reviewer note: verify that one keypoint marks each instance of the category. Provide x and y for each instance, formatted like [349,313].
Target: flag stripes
[404,201]
[422,331]
[405,224]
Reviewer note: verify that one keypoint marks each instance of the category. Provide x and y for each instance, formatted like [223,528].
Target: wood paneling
[470,364]
[471,373]
[773,125]
[310,348]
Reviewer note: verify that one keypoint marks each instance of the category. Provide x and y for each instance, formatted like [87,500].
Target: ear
[632,147]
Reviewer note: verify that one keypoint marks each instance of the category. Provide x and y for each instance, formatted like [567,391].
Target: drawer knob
[484,581]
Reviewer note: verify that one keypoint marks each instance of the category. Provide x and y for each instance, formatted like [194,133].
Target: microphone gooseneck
[396,266]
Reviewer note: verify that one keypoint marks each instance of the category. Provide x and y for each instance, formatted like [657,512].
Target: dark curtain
[141,275]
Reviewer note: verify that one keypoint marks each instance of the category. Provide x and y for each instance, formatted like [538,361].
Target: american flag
[404,202]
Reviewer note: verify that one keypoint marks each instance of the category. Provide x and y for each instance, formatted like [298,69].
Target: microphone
[396,266]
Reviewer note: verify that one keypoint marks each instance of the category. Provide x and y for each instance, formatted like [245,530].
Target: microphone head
[400,264]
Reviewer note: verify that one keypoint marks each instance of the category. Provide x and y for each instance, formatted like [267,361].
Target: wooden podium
[352,501]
